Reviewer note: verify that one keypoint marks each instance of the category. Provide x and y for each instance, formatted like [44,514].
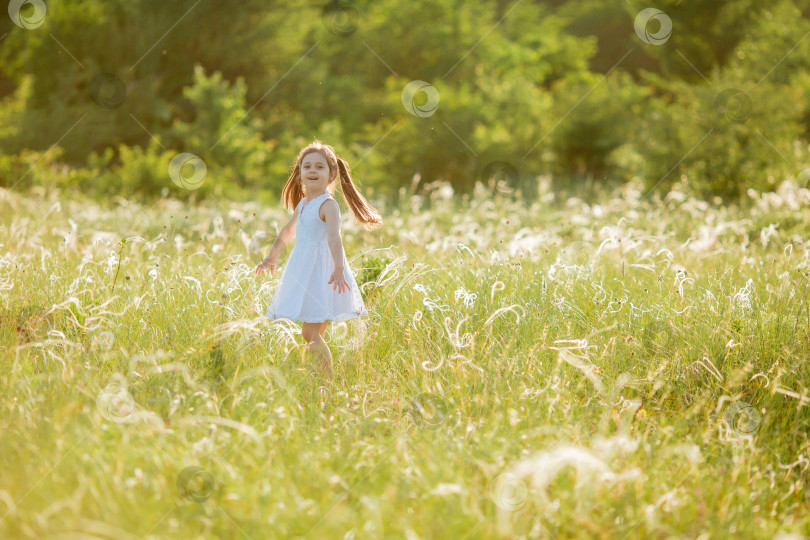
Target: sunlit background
[588,300]
[101,96]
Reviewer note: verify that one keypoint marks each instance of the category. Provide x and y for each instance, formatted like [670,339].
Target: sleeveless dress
[304,293]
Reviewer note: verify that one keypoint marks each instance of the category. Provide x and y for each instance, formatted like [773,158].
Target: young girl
[317,285]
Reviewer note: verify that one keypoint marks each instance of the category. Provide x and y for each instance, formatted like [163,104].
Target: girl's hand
[339,280]
[264,265]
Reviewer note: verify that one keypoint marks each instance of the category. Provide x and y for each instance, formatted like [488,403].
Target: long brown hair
[293,192]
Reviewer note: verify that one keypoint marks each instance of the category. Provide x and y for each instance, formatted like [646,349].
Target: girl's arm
[332,215]
[284,237]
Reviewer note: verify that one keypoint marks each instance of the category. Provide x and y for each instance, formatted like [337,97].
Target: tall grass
[634,368]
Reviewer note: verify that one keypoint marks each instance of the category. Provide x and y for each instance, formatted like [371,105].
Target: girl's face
[315,175]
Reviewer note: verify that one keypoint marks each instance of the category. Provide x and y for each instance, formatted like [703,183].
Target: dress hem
[342,317]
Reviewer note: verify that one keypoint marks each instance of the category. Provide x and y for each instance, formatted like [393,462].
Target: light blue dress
[304,293]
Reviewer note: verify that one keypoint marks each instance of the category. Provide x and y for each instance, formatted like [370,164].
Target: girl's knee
[310,333]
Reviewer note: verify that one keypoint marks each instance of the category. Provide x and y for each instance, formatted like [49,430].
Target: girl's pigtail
[366,214]
[293,192]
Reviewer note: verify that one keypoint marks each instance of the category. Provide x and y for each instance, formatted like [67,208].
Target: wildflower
[467,297]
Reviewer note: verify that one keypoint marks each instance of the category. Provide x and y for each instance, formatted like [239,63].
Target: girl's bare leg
[313,334]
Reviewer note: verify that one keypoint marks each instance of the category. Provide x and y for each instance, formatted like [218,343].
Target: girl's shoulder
[323,204]
[328,197]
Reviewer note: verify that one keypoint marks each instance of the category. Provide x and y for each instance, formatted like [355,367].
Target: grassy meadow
[631,368]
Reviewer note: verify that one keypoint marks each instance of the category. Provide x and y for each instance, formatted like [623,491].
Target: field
[636,368]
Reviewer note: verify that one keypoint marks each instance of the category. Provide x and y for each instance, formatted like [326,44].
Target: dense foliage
[631,368]
[102,95]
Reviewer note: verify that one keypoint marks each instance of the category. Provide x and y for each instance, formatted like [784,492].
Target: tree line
[104,96]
